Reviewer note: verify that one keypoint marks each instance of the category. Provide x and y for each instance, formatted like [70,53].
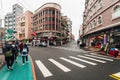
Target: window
[99,4]
[116,12]
[99,20]
[94,23]
[91,26]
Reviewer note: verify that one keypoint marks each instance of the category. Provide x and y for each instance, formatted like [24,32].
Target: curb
[33,68]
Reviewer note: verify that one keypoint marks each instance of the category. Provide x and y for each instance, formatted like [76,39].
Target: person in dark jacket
[8,50]
[15,51]
[25,53]
[21,47]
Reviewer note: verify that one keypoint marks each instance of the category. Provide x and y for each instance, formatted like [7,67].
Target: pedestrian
[25,53]
[21,47]
[3,48]
[8,50]
[15,51]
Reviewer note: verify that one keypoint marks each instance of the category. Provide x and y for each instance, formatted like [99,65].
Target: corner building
[46,22]
[101,22]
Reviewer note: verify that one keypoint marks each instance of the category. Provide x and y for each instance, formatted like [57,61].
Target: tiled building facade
[101,22]
[24,25]
[46,22]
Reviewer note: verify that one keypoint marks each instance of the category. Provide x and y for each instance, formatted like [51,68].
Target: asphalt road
[71,63]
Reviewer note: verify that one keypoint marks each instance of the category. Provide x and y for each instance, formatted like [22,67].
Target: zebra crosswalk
[59,65]
[71,49]
[77,60]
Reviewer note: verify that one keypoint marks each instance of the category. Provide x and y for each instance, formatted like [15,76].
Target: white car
[43,44]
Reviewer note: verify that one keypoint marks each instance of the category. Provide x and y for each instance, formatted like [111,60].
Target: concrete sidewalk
[19,72]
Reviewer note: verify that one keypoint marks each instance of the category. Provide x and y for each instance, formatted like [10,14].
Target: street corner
[115,76]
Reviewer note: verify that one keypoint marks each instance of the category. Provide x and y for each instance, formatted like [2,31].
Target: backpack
[24,50]
[9,53]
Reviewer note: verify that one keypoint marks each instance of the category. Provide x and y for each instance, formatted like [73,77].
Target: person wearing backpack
[25,53]
[15,51]
[9,55]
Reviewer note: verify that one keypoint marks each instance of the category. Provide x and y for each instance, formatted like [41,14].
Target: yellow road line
[115,77]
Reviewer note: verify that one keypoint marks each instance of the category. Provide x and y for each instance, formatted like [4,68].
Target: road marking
[69,49]
[59,65]
[116,76]
[43,69]
[72,62]
[99,57]
[92,59]
[83,60]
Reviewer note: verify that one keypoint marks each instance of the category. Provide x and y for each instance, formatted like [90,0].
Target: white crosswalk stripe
[43,69]
[99,57]
[88,59]
[72,62]
[59,65]
[92,59]
[70,49]
[83,60]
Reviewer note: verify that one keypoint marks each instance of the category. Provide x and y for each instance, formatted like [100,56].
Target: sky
[70,8]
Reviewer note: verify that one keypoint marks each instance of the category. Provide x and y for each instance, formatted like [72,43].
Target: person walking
[8,50]
[25,53]
[21,47]
[15,51]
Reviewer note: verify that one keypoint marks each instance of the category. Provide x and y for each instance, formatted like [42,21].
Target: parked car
[43,44]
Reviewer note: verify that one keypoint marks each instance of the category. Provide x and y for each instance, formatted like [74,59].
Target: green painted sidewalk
[19,72]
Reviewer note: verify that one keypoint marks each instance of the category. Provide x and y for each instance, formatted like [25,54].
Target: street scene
[59,40]
[71,63]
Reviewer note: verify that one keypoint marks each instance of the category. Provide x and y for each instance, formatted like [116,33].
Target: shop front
[102,37]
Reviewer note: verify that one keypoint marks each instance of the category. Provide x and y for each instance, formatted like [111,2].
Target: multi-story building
[66,28]
[46,22]
[0,23]
[1,34]
[24,25]
[10,18]
[17,10]
[80,32]
[101,22]
[9,24]
[69,31]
